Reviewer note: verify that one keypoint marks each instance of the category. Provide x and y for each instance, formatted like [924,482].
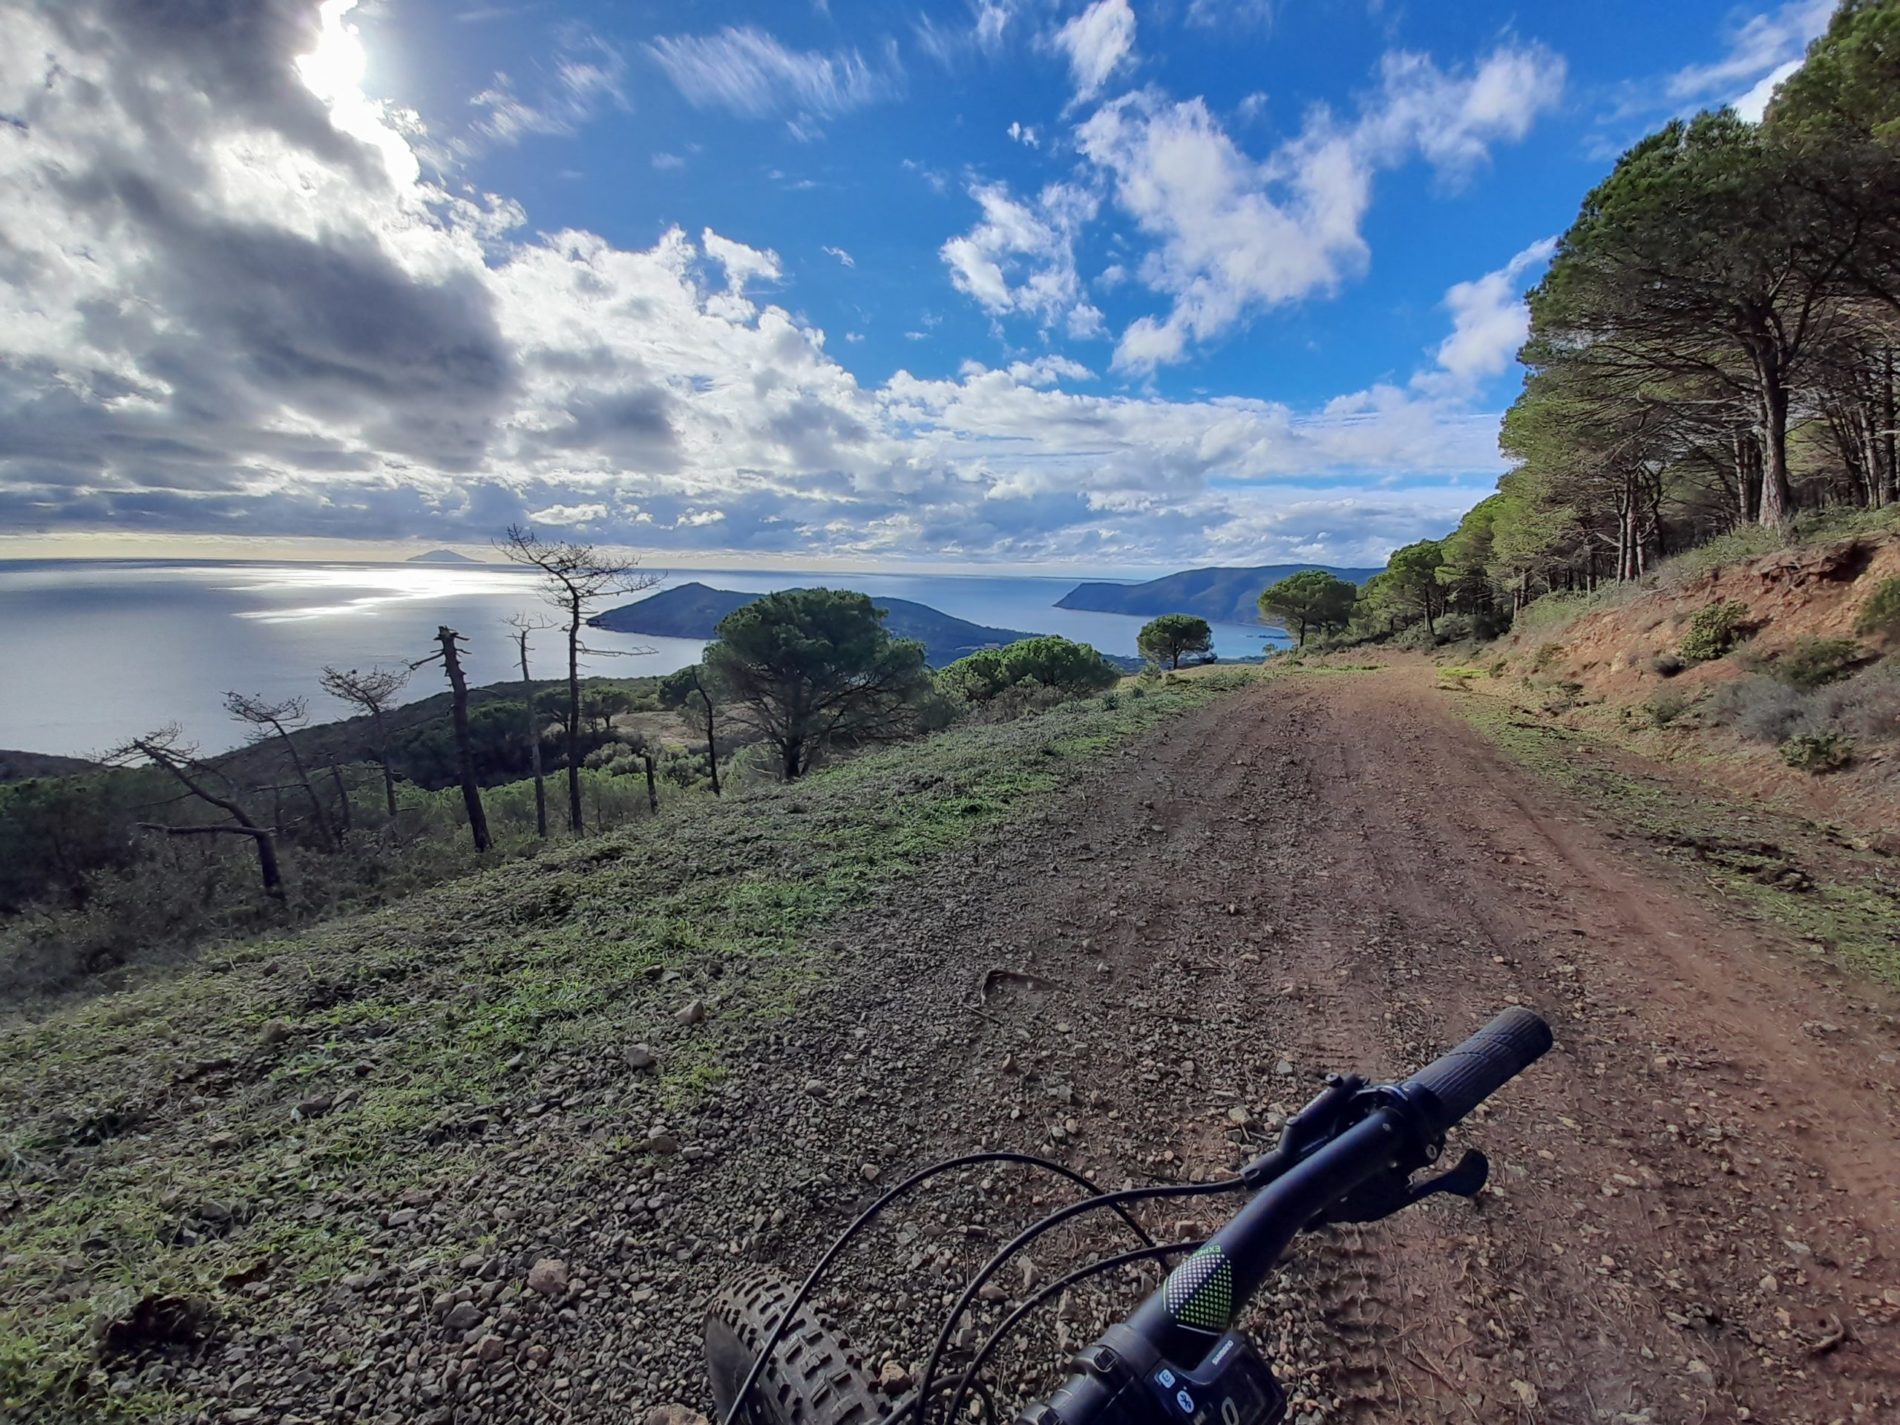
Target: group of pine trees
[1713,348]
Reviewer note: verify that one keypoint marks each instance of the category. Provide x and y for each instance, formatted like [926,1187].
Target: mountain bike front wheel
[812,1378]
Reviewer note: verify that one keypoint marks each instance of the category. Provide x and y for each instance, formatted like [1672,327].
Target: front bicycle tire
[813,1378]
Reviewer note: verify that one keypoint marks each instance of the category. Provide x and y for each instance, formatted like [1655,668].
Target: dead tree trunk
[653,787]
[451,660]
[534,738]
[342,800]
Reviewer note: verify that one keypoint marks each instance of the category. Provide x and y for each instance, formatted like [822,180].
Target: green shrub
[1666,665]
[1546,655]
[1714,631]
[1880,615]
[1816,662]
[1818,752]
[1048,661]
[1665,707]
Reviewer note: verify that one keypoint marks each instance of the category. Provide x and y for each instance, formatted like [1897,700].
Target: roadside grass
[1770,866]
[255,1113]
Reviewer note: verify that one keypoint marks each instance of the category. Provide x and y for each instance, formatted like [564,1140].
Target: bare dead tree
[573,578]
[678,690]
[268,720]
[451,660]
[342,799]
[523,625]
[653,786]
[167,750]
[375,693]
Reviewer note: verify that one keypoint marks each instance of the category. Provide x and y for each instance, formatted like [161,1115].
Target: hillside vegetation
[233,1141]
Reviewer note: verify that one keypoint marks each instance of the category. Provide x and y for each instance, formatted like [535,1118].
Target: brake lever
[1393,1192]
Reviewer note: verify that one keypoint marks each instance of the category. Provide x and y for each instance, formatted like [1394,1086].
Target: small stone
[663,1143]
[276,1032]
[403,1216]
[640,1057]
[692,1013]
[313,1108]
[548,1276]
[674,1415]
[463,1316]
[490,1348]
[893,1379]
[868,1172]
[360,1281]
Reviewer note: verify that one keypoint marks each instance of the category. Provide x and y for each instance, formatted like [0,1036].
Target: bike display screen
[1233,1386]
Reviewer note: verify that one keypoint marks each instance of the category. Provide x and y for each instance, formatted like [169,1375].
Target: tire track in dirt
[1690,1195]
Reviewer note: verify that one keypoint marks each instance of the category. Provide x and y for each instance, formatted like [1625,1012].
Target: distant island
[1219,595]
[694,611]
[441,556]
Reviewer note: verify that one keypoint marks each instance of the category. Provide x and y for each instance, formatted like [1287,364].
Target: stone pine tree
[574,577]
[1172,637]
[450,658]
[805,667]
[1310,599]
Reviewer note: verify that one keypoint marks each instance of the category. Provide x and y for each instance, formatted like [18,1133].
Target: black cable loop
[870,1214]
[1028,1235]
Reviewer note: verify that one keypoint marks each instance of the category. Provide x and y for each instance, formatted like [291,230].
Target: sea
[93,652]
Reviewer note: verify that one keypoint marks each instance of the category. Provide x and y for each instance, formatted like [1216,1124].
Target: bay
[97,651]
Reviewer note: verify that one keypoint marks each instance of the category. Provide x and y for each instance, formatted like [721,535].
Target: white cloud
[668,161]
[1098,42]
[749,73]
[990,23]
[569,514]
[1023,134]
[743,264]
[1753,47]
[1489,322]
[1753,104]
[844,257]
[1211,13]
[1020,258]
[1234,236]
[589,73]
[283,328]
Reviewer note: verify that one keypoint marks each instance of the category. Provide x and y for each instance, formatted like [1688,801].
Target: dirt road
[1696,1196]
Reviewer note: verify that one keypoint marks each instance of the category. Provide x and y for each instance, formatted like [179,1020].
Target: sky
[1116,285]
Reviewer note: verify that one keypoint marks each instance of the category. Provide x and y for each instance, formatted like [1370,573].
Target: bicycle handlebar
[1458,1081]
[1180,1334]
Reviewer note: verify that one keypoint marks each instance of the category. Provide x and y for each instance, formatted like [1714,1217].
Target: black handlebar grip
[1463,1078]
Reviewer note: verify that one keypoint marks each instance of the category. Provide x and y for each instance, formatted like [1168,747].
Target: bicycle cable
[864,1219]
[1035,1230]
[969,1380]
